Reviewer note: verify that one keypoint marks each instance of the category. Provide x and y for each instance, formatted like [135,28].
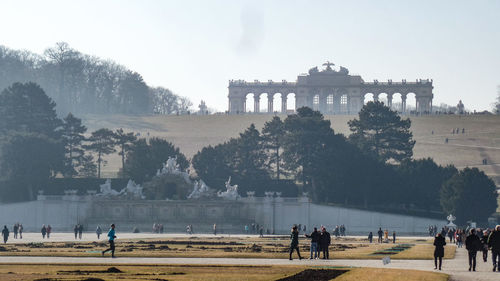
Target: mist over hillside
[82,84]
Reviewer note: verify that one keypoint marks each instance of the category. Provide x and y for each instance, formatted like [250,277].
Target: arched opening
[411,103]
[367,98]
[277,102]
[343,104]
[382,97]
[329,103]
[263,103]
[397,102]
[316,102]
[249,103]
[290,102]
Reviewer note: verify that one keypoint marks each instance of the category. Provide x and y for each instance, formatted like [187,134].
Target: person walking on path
[484,244]
[380,233]
[111,240]
[80,231]
[294,242]
[472,244]
[75,229]
[98,231]
[16,229]
[439,243]
[215,229]
[494,244]
[21,231]
[49,231]
[44,231]
[314,243]
[370,237]
[394,237]
[5,234]
[324,243]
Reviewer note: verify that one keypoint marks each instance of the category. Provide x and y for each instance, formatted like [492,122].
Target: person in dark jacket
[43,231]
[5,234]
[370,237]
[484,244]
[439,243]
[472,244]
[294,242]
[324,243]
[494,244]
[80,231]
[75,229]
[314,243]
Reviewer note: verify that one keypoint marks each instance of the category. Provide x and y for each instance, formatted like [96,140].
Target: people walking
[49,231]
[21,231]
[484,244]
[294,242]
[111,240]
[5,234]
[314,236]
[324,243]
[98,231]
[439,243]
[494,244]
[472,244]
[44,231]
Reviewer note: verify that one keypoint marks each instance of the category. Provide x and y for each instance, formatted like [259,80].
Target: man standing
[324,242]
[16,227]
[472,244]
[5,234]
[314,243]
[98,231]
[494,243]
[380,233]
[111,239]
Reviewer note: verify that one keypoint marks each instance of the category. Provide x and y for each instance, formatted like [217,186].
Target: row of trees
[82,84]
[371,168]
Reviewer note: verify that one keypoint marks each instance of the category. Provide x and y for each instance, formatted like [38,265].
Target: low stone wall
[274,214]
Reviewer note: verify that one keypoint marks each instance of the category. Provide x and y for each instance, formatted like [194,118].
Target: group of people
[46,231]
[18,231]
[339,230]
[78,230]
[320,242]
[383,236]
[157,228]
[476,240]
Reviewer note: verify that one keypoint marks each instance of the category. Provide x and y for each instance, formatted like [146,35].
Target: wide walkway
[457,268]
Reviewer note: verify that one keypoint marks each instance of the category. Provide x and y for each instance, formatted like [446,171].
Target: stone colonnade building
[330,91]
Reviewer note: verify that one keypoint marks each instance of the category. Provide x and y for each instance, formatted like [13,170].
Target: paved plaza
[457,268]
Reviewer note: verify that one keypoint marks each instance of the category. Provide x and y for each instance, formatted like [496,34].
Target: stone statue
[200,189]
[313,70]
[132,189]
[231,191]
[328,66]
[343,70]
[106,189]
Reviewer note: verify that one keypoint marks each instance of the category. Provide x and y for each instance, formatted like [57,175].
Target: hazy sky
[195,47]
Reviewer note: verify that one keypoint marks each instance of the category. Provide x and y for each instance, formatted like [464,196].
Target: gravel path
[457,268]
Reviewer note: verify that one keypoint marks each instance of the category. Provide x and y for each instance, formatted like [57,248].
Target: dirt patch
[86,272]
[315,274]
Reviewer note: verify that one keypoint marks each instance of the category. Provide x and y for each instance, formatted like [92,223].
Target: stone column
[283,103]
[389,101]
[375,96]
[336,103]
[403,103]
[322,103]
[270,101]
[256,103]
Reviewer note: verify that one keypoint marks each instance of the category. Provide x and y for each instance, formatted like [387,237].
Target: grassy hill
[481,139]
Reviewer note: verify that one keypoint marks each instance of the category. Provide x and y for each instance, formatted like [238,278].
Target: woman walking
[294,242]
[439,243]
